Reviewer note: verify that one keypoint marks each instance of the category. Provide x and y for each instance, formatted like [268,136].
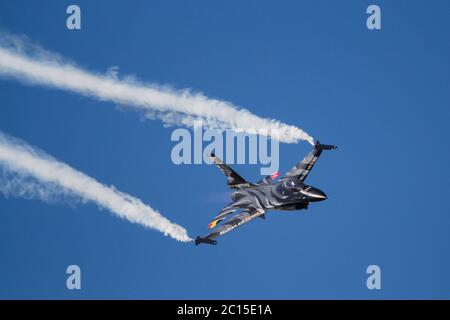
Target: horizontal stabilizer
[233,179]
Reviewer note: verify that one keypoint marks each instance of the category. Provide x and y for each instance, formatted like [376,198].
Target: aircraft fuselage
[286,194]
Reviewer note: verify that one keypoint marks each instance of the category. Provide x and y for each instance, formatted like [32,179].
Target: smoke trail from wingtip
[173,107]
[30,173]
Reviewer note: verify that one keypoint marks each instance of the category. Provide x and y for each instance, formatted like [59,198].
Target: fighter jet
[252,200]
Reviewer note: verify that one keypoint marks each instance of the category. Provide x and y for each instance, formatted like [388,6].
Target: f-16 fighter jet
[251,200]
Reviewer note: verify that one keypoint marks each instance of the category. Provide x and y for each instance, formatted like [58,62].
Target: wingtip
[318,145]
[199,240]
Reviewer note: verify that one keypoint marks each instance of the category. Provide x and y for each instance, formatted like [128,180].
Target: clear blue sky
[382,96]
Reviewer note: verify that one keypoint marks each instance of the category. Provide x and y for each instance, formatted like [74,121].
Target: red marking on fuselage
[275,175]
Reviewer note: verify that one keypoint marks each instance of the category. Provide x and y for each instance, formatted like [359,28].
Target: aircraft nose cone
[315,194]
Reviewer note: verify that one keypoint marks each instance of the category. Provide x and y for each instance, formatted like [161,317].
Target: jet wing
[233,179]
[235,221]
[224,213]
[301,170]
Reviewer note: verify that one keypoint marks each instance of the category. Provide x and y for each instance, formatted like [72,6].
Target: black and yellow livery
[252,200]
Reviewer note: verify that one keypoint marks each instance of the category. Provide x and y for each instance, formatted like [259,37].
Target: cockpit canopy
[293,184]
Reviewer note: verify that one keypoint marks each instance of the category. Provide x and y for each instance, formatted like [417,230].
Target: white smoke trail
[30,173]
[174,107]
